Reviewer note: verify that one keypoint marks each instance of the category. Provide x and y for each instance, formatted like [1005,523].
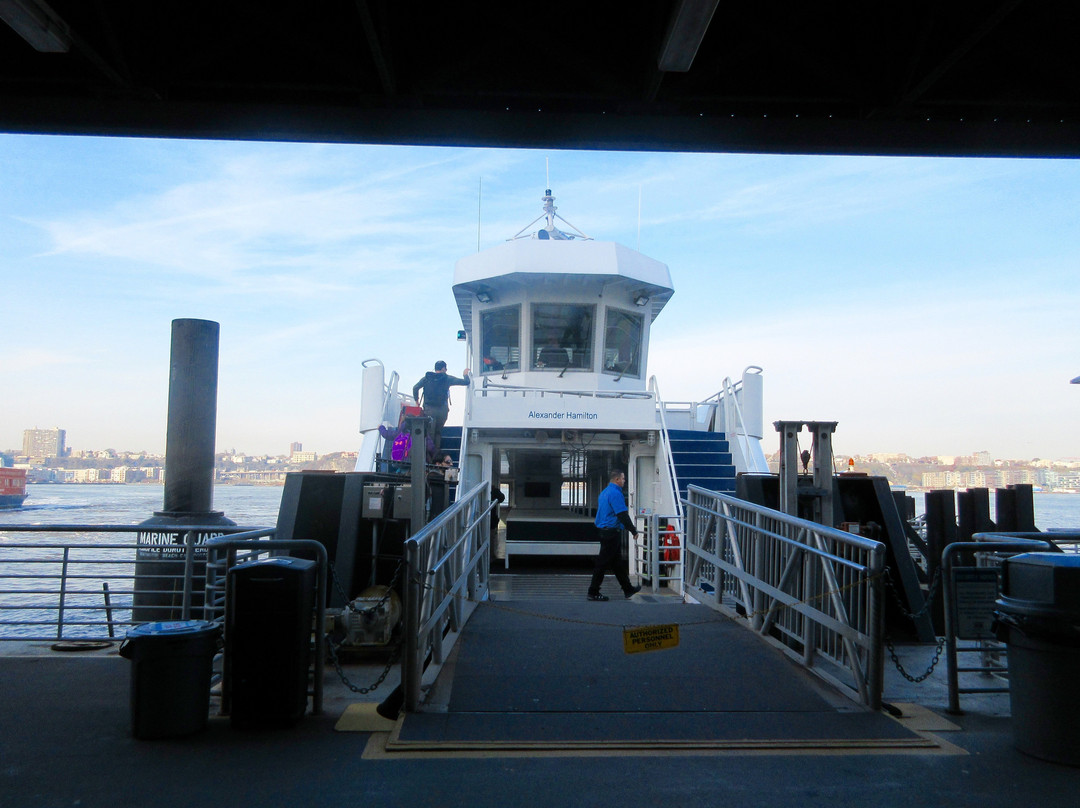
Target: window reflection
[500,339]
[622,343]
[562,336]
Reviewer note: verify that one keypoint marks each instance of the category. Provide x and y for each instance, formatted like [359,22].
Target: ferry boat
[557,328]
[12,487]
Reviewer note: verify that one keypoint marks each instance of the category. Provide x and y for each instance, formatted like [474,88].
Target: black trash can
[268,615]
[1038,616]
[172,666]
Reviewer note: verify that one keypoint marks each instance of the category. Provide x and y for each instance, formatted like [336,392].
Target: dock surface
[541,707]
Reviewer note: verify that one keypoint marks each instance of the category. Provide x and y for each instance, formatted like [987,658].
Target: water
[248,506]
[98,595]
[257,506]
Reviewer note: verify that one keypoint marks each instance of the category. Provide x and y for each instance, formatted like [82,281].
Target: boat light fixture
[38,24]
[484,296]
[641,300]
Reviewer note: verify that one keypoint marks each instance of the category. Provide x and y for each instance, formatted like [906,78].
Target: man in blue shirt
[611,512]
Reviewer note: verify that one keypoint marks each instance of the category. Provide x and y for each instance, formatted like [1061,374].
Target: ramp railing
[815,590]
[446,568]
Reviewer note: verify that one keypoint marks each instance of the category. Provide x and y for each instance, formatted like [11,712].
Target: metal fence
[93,582]
[971,575]
[447,567]
[815,589]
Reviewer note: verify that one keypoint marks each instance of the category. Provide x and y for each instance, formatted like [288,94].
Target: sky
[928,305]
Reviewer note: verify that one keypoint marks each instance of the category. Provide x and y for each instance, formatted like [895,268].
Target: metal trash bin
[1038,616]
[172,666]
[268,615]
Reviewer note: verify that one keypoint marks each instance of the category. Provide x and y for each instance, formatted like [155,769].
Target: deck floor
[554,670]
[65,736]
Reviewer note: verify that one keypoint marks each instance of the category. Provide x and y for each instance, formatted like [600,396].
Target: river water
[257,506]
[247,505]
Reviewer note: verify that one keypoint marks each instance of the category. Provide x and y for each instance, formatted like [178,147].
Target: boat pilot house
[557,327]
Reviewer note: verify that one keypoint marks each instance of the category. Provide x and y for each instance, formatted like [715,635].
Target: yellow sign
[637,639]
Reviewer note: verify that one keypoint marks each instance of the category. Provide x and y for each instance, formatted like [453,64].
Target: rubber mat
[546,673]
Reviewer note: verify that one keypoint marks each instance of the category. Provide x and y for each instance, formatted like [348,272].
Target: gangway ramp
[551,674]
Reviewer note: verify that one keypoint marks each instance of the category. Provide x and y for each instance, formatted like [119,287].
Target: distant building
[982,459]
[303,457]
[295,447]
[42,444]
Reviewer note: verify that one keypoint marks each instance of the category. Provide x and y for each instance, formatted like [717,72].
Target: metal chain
[369,610]
[904,673]
[927,601]
[345,679]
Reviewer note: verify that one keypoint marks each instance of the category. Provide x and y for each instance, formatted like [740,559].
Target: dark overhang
[917,78]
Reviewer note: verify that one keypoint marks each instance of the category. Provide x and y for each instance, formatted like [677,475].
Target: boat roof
[551,261]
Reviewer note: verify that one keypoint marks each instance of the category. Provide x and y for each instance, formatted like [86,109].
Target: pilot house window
[500,339]
[562,336]
[622,343]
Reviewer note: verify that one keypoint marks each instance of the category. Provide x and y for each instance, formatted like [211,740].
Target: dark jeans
[438,416]
[610,557]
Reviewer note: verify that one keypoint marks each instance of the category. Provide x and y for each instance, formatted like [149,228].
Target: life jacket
[670,541]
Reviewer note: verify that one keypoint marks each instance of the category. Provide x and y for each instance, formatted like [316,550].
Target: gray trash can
[172,665]
[1038,616]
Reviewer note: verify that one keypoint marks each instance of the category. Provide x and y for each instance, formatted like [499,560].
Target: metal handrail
[446,567]
[818,589]
[543,392]
[256,545]
[992,547]
[89,586]
[665,449]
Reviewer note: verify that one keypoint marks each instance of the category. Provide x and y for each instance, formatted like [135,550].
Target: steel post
[789,465]
[189,442]
[875,662]
[189,476]
[821,449]
[411,664]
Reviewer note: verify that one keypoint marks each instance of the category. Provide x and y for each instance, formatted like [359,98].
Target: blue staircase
[451,443]
[703,459]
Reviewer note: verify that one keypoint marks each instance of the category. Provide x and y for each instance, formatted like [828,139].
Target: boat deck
[539,706]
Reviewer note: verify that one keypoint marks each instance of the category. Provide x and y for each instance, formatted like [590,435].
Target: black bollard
[189,479]
[1005,509]
[940,533]
[1025,507]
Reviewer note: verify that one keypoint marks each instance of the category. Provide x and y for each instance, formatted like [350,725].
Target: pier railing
[79,582]
[814,589]
[447,567]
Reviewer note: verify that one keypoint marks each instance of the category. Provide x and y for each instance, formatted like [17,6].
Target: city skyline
[296,453]
[924,304]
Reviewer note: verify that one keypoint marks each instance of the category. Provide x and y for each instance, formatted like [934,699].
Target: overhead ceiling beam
[962,50]
[689,22]
[382,66]
[38,24]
